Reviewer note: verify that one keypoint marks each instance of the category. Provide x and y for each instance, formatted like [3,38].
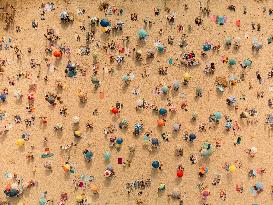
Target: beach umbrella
[71,73]
[107,155]
[253,150]
[146,139]
[107,173]
[179,173]
[119,140]
[88,155]
[259,186]
[3,97]
[138,127]
[77,134]
[187,76]
[206,149]
[203,169]
[194,115]
[94,188]
[232,61]
[110,167]
[252,173]
[123,124]
[205,193]
[115,110]
[160,122]
[231,100]
[165,89]
[94,80]
[254,41]
[95,54]
[162,111]
[161,187]
[217,115]
[155,164]
[155,141]
[232,78]
[192,137]
[160,48]
[104,23]
[232,168]
[79,198]
[125,78]
[140,103]
[66,167]
[247,62]
[20,142]
[176,85]
[220,88]
[221,20]
[228,125]
[57,54]
[198,91]
[176,126]
[206,47]
[63,15]
[142,34]
[228,40]
[176,194]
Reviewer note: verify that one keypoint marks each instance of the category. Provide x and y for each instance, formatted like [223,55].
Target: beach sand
[113,191]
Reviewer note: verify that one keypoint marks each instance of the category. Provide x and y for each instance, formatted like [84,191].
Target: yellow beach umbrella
[187,76]
[20,142]
[232,168]
[79,198]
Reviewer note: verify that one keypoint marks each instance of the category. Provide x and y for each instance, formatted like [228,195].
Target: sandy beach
[95,94]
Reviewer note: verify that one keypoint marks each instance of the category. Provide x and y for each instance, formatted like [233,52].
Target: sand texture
[38,73]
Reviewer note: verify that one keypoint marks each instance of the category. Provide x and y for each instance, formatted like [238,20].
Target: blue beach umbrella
[119,140]
[192,137]
[104,23]
[155,164]
[162,111]
[206,47]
